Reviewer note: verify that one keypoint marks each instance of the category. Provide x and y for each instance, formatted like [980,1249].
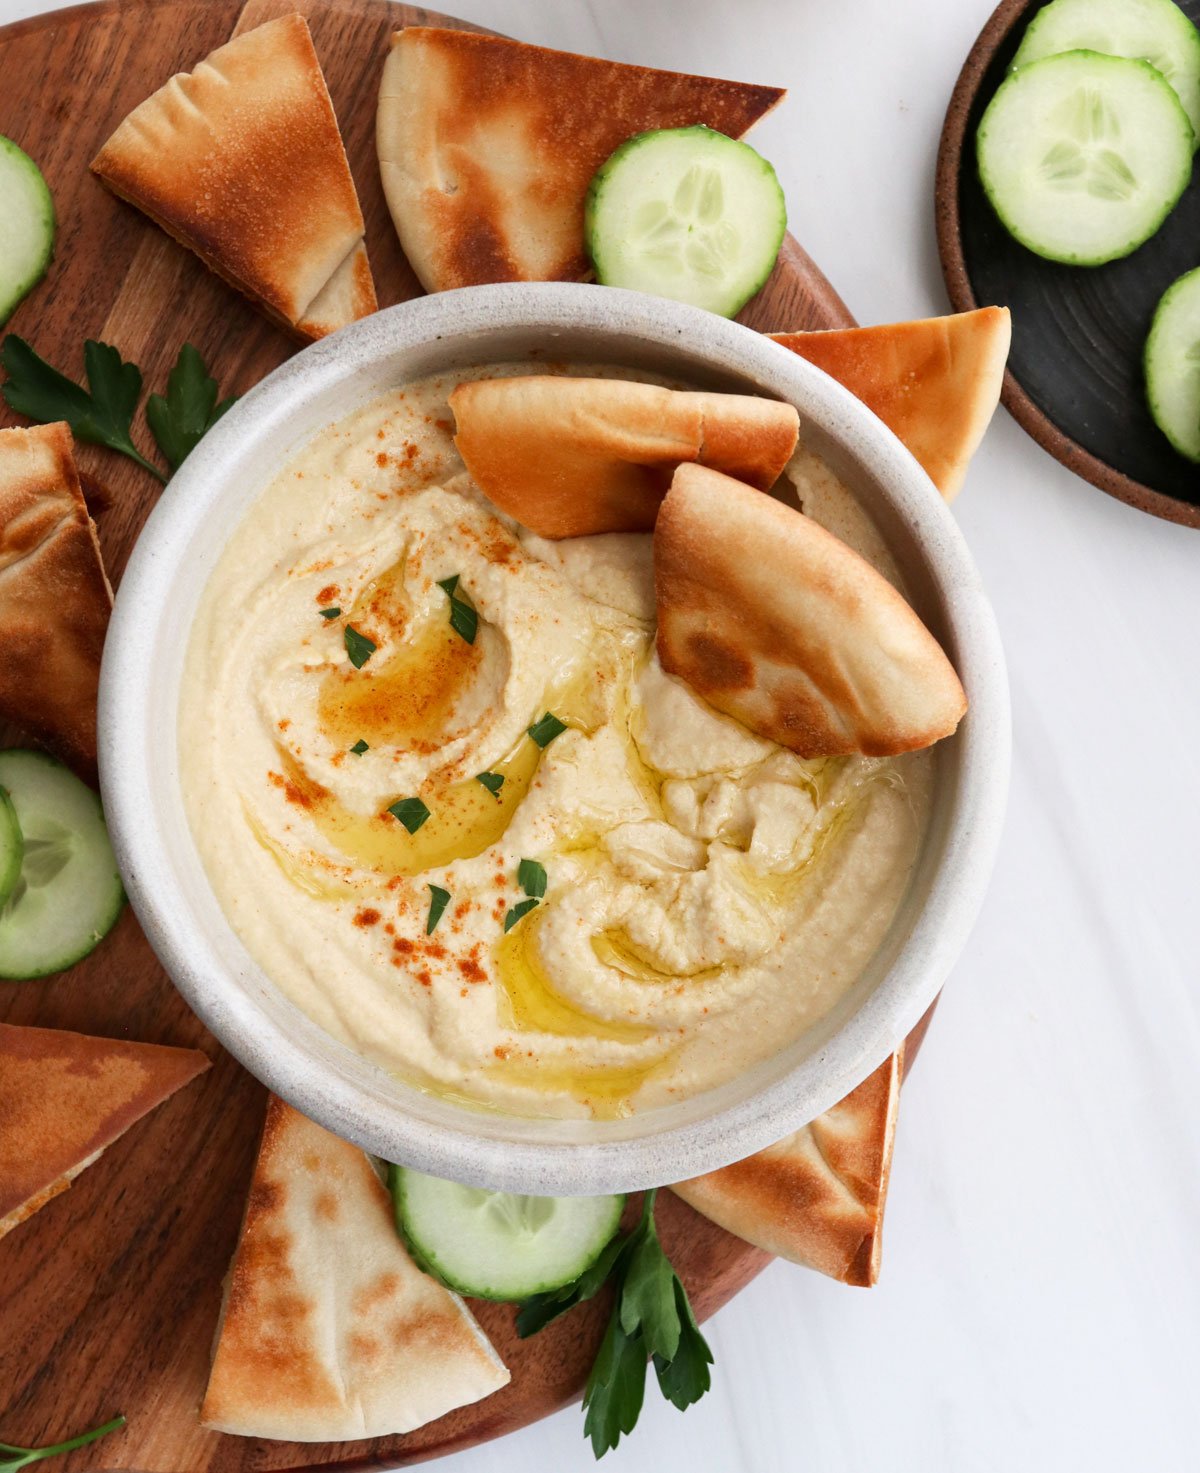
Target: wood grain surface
[1074,380]
[110,1295]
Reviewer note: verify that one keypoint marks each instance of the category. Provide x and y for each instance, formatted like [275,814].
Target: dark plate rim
[962,296]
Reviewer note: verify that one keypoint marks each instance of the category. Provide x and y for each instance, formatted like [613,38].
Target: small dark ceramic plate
[1074,377]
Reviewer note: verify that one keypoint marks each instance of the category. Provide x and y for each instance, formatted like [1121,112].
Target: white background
[1040,1301]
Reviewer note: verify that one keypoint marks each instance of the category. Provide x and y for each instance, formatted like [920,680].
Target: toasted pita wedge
[241,160]
[935,383]
[816,1198]
[64,1097]
[773,620]
[487,147]
[54,596]
[568,457]
[329,1331]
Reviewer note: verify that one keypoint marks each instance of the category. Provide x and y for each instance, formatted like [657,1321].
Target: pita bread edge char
[935,382]
[328,1331]
[241,160]
[55,598]
[773,620]
[818,1197]
[65,1097]
[487,146]
[573,457]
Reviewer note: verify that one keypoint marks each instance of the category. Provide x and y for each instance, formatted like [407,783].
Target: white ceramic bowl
[139,765]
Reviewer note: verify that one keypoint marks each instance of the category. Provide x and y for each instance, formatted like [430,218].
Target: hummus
[708,895]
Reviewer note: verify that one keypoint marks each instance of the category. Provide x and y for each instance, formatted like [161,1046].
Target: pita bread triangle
[569,457]
[487,147]
[241,160]
[816,1198]
[773,620]
[64,1097]
[54,597]
[329,1331]
[934,382]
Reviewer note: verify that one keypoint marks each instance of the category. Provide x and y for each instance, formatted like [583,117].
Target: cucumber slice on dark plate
[1173,365]
[68,894]
[497,1245]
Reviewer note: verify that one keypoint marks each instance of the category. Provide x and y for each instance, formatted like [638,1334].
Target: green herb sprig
[651,1319]
[531,876]
[464,618]
[439,899]
[181,420]
[546,729]
[492,781]
[21,1457]
[412,812]
[358,647]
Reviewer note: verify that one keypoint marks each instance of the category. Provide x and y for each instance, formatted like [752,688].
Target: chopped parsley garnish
[521,909]
[531,876]
[330,613]
[544,731]
[492,781]
[464,620]
[439,899]
[359,747]
[358,647]
[411,812]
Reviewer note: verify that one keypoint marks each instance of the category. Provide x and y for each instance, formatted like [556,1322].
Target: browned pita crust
[487,146]
[935,382]
[773,620]
[64,1097]
[816,1198]
[568,457]
[241,160]
[329,1331]
[54,596]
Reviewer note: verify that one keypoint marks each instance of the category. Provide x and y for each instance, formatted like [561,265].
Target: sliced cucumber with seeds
[1156,31]
[27,226]
[686,213]
[496,1245]
[68,894]
[1084,156]
[12,847]
[1172,363]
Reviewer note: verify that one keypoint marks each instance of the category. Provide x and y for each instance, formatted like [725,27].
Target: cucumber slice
[1156,31]
[494,1245]
[68,894]
[1172,363]
[27,226]
[12,847]
[686,213]
[1084,156]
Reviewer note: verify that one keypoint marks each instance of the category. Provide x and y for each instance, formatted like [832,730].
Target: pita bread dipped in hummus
[530,868]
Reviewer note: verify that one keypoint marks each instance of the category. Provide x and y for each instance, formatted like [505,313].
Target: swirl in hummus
[709,895]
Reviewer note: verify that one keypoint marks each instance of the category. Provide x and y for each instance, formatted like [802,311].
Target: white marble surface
[1040,1302]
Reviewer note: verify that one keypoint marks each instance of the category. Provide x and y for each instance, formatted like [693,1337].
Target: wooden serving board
[110,1294]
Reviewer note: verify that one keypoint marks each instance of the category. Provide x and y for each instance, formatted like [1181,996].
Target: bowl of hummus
[427,835]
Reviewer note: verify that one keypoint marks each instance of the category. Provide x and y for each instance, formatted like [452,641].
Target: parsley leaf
[411,812]
[531,876]
[616,1388]
[330,613]
[23,1456]
[492,781]
[464,619]
[651,1317]
[518,912]
[360,747]
[684,1378]
[358,647]
[181,420]
[439,899]
[102,413]
[544,731]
